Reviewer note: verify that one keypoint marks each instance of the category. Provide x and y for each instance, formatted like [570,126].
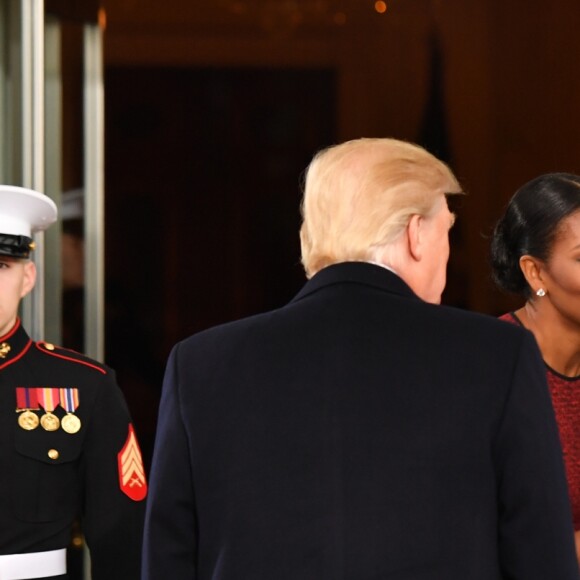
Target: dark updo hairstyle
[529,225]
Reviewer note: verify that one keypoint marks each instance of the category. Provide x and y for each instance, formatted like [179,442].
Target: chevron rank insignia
[131,471]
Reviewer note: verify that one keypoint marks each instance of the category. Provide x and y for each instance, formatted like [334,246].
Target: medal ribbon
[26,398]
[69,399]
[49,398]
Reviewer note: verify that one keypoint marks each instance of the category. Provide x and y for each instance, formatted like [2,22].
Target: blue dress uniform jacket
[49,478]
[358,433]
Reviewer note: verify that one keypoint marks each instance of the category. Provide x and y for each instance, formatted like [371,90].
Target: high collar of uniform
[13,343]
[357,273]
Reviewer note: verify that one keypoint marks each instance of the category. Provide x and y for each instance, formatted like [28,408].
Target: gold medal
[28,420]
[49,422]
[71,423]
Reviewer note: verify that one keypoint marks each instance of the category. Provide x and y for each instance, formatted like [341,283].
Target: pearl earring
[540,292]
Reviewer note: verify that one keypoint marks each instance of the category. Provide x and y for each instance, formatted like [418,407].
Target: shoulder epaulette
[69,355]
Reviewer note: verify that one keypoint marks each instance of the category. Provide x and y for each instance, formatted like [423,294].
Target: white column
[94,192]
[32,131]
[53,178]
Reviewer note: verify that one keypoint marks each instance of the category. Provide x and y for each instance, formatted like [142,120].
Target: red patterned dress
[565,393]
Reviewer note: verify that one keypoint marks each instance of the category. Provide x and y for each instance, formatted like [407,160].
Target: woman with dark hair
[535,253]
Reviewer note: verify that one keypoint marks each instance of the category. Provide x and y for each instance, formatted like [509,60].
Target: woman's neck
[557,337]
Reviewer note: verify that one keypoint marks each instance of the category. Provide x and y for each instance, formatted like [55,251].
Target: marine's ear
[29,278]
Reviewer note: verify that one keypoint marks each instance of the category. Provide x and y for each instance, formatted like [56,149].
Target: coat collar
[356,273]
[13,344]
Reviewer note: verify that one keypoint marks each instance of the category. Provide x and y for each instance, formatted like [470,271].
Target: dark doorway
[203,174]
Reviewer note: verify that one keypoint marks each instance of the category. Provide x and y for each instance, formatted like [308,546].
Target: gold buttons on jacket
[48,346]
[5,348]
[53,454]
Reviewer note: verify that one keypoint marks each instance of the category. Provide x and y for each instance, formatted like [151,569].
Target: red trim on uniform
[41,343]
[132,480]
[11,332]
[18,356]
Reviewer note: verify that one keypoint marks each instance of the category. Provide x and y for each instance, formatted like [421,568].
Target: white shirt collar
[383,266]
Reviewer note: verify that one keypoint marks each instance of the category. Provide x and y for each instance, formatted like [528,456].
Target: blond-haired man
[362,431]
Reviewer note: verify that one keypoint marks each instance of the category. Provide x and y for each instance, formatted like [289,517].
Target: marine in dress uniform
[69,450]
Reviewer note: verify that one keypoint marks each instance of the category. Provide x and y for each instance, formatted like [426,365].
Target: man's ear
[532,270]
[29,278]
[414,236]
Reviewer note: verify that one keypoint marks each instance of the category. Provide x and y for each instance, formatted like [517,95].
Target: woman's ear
[532,270]
[414,236]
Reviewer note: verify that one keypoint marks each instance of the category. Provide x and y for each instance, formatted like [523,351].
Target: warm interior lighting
[102,18]
[239,8]
[290,15]
[380,6]
[296,18]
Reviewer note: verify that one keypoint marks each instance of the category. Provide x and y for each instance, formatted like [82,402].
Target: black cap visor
[15,246]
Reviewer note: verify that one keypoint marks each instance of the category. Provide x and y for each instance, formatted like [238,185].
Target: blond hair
[360,195]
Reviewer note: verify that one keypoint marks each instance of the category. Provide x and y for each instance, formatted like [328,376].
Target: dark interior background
[213,111]
[203,188]
[202,207]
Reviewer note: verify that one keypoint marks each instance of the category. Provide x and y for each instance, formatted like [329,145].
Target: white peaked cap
[24,211]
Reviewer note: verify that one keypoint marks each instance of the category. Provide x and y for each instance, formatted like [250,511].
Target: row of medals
[49,422]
